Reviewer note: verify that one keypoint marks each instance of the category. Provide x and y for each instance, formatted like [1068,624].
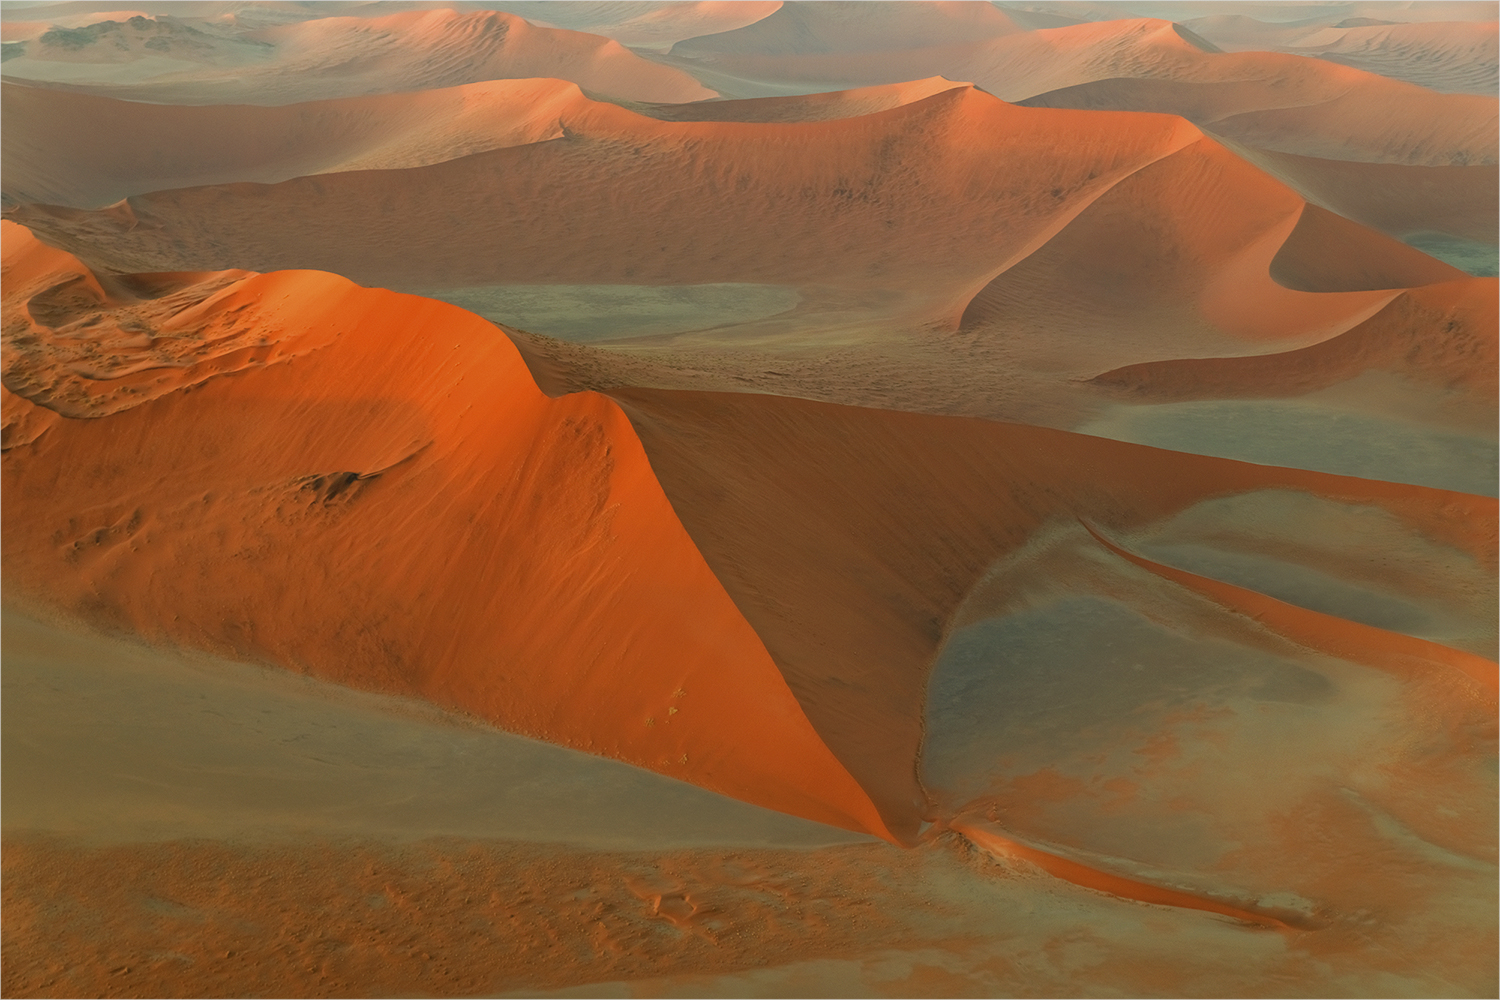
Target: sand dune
[1278,102]
[902,198]
[423,536]
[1398,339]
[852,536]
[1196,249]
[1394,198]
[898,516]
[1273,100]
[905,198]
[1449,56]
[650,25]
[174,62]
[114,149]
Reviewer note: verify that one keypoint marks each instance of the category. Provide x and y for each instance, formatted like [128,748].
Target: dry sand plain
[749,499]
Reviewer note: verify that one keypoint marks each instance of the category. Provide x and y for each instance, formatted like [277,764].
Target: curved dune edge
[1442,335]
[850,538]
[1375,647]
[984,836]
[402,510]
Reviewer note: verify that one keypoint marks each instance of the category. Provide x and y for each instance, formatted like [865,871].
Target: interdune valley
[814,498]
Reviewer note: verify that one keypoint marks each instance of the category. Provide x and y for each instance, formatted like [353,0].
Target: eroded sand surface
[681,499]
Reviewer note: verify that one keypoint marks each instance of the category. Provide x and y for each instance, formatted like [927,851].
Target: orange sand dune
[933,199]
[112,149]
[382,497]
[1392,197]
[332,57]
[1442,336]
[930,199]
[805,107]
[644,25]
[825,27]
[1449,56]
[1289,103]
[392,457]
[849,538]
[1293,104]
[1199,248]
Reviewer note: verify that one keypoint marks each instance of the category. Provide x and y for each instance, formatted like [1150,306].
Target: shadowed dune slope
[850,537]
[112,149]
[331,57]
[370,488]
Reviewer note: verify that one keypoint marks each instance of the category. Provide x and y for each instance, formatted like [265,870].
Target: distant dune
[173,62]
[904,198]
[114,148]
[1449,56]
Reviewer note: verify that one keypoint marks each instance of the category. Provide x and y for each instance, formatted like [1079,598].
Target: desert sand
[749,499]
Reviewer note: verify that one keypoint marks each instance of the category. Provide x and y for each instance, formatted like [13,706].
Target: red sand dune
[1442,336]
[1282,103]
[1394,198]
[1450,56]
[911,198]
[646,25]
[332,57]
[415,484]
[392,504]
[1279,101]
[1195,250]
[827,27]
[933,196]
[806,107]
[114,148]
